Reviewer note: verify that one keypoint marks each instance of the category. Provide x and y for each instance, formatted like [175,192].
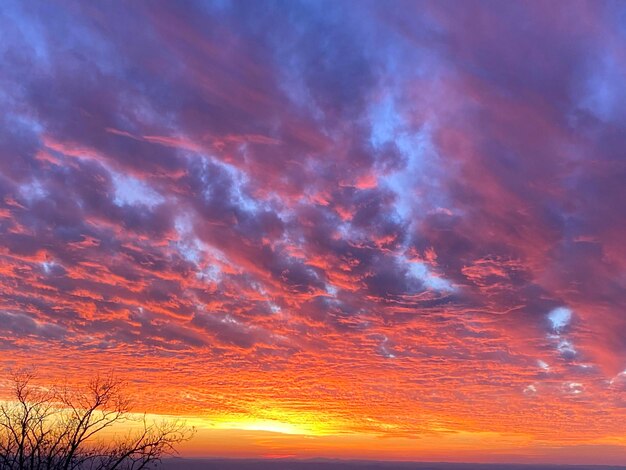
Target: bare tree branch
[59,429]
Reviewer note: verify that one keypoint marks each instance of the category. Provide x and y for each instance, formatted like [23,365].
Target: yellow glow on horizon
[271,420]
[301,436]
[283,423]
[267,426]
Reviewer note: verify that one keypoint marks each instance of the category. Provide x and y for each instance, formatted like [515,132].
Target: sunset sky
[351,229]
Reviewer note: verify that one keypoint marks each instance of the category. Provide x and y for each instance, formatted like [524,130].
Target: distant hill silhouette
[322,464]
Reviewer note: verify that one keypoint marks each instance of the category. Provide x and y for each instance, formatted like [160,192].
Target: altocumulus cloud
[433,191]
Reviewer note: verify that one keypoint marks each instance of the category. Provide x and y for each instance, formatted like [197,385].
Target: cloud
[384,212]
[560,317]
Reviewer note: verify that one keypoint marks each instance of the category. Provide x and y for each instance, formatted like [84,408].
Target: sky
[353,229]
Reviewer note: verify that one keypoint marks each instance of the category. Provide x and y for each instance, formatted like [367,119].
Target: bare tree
[62,429]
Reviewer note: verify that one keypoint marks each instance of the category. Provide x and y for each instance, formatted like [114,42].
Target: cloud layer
[399,219]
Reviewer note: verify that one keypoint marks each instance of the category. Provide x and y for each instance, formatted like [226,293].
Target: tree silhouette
[63,428]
